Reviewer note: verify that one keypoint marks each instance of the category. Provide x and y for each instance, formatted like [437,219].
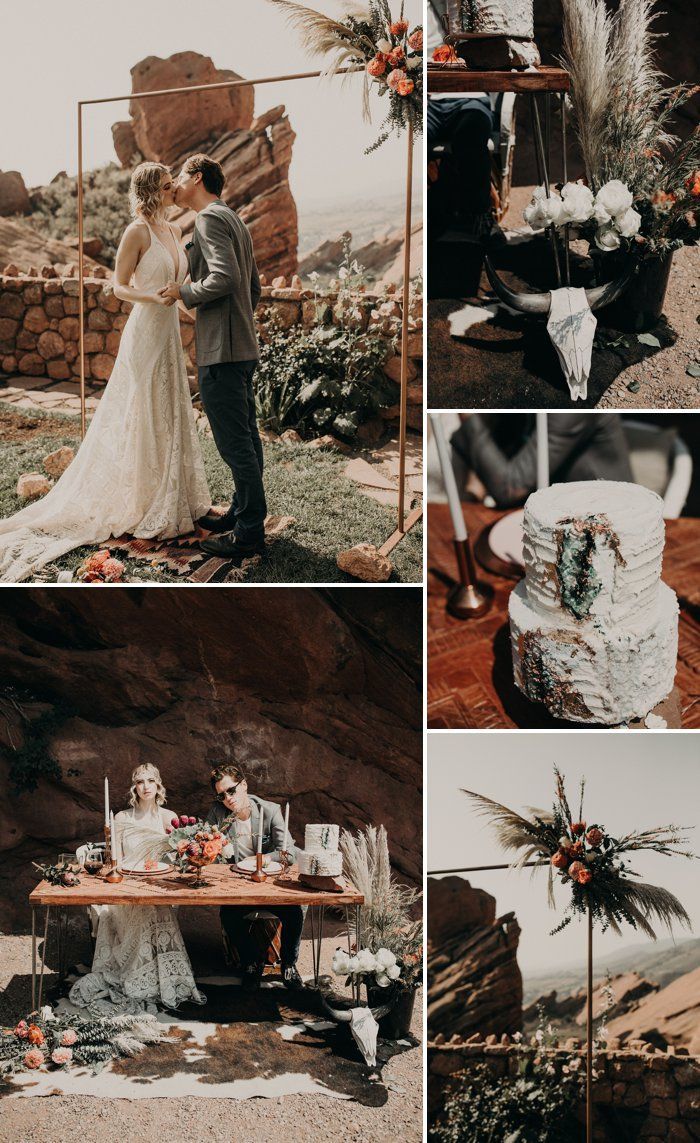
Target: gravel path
[292,1118]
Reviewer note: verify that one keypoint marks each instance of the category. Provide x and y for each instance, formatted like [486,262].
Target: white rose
[385,958]
[367,961]
[393,971]
[227,851]
[341,963]
[543,211]
[615,198]
[382,980]
[628,223]
[353,964]
[607,238]
[384,46]
[577,202]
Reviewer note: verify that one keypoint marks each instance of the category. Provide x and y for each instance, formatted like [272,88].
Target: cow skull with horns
[571,324]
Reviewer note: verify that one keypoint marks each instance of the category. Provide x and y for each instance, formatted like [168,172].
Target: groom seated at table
[233,800]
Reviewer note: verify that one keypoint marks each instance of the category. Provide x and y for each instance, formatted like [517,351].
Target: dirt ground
[509,362]
[294,1118]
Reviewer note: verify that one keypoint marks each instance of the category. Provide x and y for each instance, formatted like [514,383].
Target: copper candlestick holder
[110,873]
[468,599]
[259,874]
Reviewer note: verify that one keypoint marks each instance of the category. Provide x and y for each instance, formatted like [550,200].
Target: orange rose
[445,53]
[560,860]
[394,78]
[35,1034]
[415,40]
[594,836]
[395,57]
[575,868]
[578,827]
[405,87]
[376,67]
[693,184]
[211,850]
[577,848]
[398,28]
[584,876]
[33,1058]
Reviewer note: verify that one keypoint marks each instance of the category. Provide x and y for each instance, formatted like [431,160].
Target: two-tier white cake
[321,856]
[594,631]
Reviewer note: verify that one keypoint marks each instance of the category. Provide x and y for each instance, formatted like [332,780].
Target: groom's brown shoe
[228,547]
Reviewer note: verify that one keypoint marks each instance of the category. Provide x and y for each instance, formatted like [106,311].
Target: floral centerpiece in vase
[189,845]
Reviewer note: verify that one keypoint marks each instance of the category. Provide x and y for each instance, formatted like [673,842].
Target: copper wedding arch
[404,522]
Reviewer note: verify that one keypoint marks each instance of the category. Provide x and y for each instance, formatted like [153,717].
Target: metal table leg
[567,268]
[543,174]
[33,959]
[43,960]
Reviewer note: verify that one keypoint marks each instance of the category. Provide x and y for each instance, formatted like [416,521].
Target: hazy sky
[56,54]
[633,780]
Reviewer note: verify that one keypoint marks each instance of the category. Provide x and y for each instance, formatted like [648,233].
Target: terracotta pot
[642,303]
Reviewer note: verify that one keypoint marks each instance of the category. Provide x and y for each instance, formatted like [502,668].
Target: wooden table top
[223,886]
[470,672]
[458,80]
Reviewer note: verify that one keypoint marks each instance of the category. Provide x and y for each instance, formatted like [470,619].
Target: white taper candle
[106,801]
[448,478]
[542,451]
[286,828]
[260,829]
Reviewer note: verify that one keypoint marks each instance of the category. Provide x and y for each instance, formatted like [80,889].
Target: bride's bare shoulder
[137,234]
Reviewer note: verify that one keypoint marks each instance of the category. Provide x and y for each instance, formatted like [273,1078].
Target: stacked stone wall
[639,1092]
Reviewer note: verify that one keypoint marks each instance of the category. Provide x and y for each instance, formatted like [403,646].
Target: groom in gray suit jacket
[224,290]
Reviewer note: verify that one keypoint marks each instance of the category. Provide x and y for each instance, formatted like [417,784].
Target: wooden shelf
[463,80]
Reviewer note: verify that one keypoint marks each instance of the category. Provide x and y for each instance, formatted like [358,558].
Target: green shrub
[536,1106]
[321,380]
[105,207]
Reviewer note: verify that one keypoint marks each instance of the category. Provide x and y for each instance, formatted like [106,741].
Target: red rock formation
[14,197]
[315,693]
[255,153]
[474,983]
[23,246]
[670,1016]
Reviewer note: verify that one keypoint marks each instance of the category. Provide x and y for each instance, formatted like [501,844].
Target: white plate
[138,868]
[506,538]
[248,866]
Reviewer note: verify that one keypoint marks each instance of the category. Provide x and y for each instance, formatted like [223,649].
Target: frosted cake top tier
[593,551]
[501,17]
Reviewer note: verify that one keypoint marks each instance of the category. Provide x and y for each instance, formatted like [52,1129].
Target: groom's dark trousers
[235,920]
[226,389]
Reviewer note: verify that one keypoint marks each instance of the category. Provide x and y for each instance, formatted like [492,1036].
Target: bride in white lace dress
[140,960]
[139,470]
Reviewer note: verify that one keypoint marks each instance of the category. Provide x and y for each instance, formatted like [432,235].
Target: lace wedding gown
[139,469]
[140,961]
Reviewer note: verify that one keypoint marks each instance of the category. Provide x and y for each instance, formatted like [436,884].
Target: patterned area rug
[237,1046]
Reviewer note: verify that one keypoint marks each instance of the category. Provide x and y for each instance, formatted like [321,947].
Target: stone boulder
[23,247]
[14,196]
[474,983]
[254,153]
[165,129]
[315,694]
[32,485]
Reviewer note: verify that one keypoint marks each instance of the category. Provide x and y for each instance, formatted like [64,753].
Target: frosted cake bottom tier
[590,672]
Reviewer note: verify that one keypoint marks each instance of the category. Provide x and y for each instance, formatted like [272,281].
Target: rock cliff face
[14,196]
[254,152]
[315,694]
[474,983]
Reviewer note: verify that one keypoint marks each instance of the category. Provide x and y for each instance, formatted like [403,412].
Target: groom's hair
[212,172]
[226,770]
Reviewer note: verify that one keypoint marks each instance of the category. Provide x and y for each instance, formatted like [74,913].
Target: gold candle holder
[468,599]
[110,873]
[259,874]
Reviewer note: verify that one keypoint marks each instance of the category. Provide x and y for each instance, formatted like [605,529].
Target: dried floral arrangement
[622,112]
[591,862]
[387,50]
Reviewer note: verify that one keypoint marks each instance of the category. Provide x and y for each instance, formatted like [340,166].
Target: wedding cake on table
[321,856]
[594,630]
[494,33]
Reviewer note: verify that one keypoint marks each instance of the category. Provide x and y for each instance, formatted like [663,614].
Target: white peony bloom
[607,238]
[384,46]
[366,960]
[577,202]
[543,211]
[353,964]
[614,197]
[382,980]
[393,971]
[628,223]
[385,958]
[341,963]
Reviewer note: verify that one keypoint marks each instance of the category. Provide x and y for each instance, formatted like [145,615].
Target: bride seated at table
[140,961]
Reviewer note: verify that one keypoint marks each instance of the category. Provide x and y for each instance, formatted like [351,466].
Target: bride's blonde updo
[146,770]
[145,194]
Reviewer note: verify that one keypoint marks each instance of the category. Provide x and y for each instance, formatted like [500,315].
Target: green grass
[330,513]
